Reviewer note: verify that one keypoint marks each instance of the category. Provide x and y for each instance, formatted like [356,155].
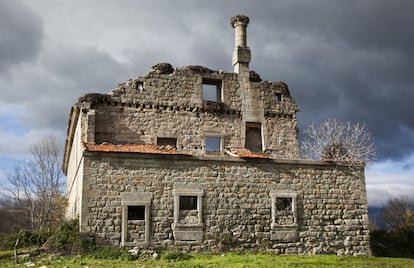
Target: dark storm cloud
[352,60]
[71,73]
[348,59]
[21,34]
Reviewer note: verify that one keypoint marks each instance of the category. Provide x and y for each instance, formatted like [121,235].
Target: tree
[397,214]
[35,185]
[408,223]
[10,216]
[333,140]
[396,239]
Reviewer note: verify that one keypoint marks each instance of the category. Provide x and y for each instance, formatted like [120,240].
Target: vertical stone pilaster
[90,121]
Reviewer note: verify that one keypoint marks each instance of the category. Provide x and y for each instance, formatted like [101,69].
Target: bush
[26,239]
[7,241]
[68,240]
[175,256]
[112,253]
[399,243]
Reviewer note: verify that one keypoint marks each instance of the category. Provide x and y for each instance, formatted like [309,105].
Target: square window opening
[278,97]
[140,86]
[167,142]
[284,214]
[136,213]
[213,145]
[284,225]
[188,202]
[211,90]
[284,204]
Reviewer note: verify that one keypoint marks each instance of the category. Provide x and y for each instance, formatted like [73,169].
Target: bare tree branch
[333,140]
[396,213]
[35,184]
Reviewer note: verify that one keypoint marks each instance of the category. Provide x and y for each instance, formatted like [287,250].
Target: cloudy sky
[353,60]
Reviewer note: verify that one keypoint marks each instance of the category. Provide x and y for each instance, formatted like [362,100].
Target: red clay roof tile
[155,149]
[242,152]
[132,148]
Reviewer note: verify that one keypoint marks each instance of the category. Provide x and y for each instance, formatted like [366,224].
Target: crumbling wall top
[162,68]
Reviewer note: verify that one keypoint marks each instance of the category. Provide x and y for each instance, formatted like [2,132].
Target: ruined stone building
[193,158]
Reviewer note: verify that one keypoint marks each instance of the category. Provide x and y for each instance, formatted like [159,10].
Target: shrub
[68,240]
[26,239]
[7,241]
[398,243]
[112,253]
[175,256]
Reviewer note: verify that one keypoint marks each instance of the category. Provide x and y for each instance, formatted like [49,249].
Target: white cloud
[15,145]
[390,179]
[378,194]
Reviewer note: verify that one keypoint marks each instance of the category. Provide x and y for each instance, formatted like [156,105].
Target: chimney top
[239,19]
[241,52]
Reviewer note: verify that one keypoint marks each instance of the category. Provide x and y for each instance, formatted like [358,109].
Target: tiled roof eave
[130,148]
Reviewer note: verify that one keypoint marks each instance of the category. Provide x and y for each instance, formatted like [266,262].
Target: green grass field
[228,259]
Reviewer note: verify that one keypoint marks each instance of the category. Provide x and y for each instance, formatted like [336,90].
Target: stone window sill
[276,226]
[284,233]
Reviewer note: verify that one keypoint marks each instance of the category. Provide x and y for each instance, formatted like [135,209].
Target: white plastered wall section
[75,173]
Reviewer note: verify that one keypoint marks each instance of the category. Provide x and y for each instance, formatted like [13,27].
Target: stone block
[284,235]
[188,235]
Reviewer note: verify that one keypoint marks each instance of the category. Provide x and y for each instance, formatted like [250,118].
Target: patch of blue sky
[6,164]
[10,123]
[403,166]
[390,179]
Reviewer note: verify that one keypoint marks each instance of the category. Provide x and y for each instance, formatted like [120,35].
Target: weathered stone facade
[207,160]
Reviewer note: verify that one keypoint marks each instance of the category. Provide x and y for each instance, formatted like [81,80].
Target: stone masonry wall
[330,202]
[171,105]
[131,125]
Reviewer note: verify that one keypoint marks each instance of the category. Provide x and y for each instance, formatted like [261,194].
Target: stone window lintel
[188,192]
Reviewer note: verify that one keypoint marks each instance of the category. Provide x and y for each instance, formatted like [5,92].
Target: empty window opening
[167,141]
[140,86]
[188,202]
[278,97]
[211,90]
[136,213]
[188,210]
[284,211]
[253,137]
[136,208]
[213,145]
[188,214]
[284,204]
[284,226]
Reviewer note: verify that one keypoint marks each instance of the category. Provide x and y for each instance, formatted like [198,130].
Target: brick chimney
[241,52]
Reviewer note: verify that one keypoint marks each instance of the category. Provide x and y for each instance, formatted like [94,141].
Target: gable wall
[160,105]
